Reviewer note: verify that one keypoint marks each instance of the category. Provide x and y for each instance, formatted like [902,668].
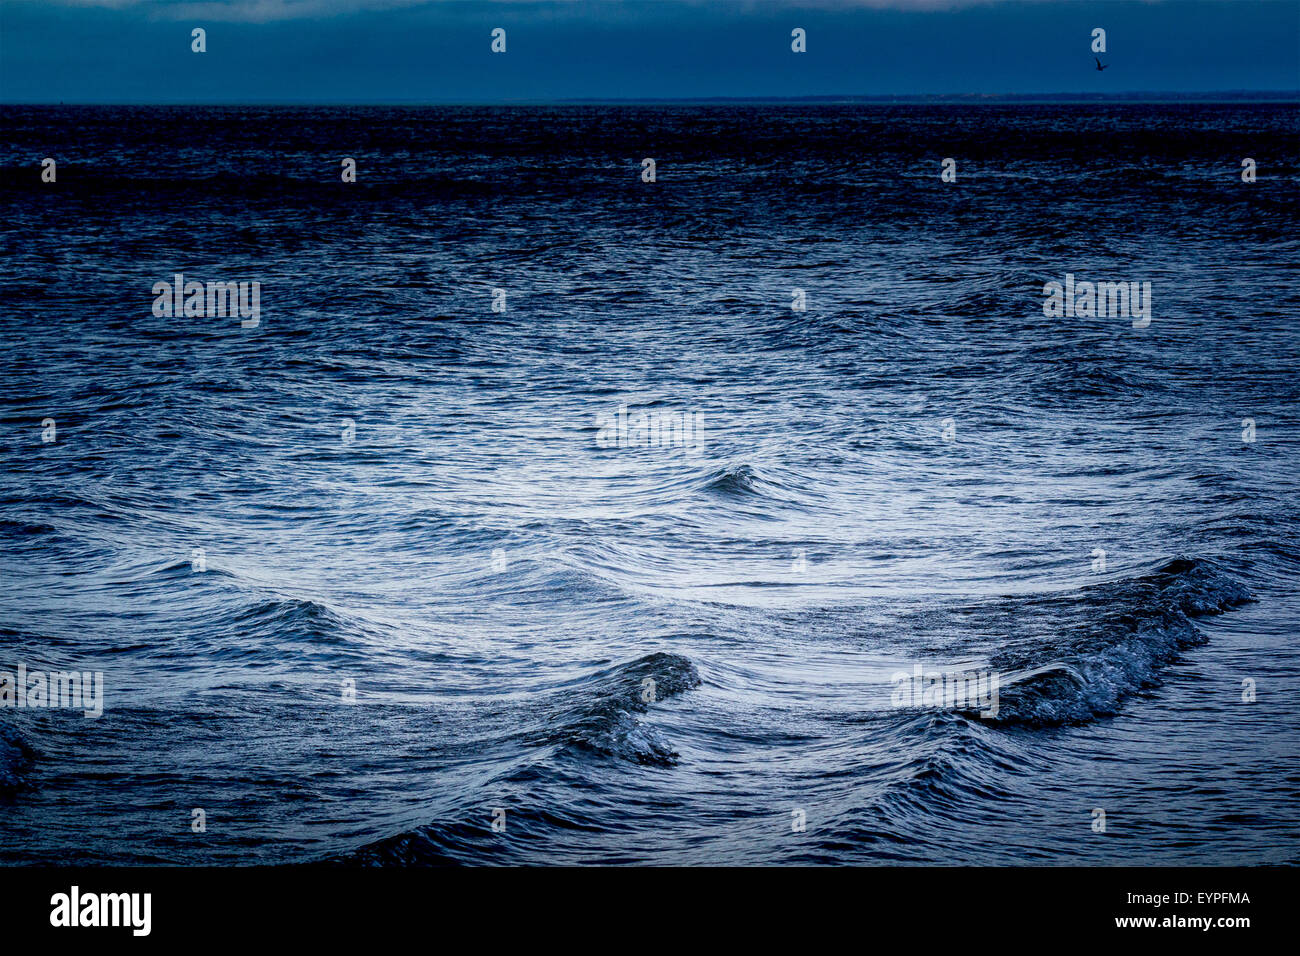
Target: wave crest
[736,480]
[15,758]
[1144,624]
[601,716]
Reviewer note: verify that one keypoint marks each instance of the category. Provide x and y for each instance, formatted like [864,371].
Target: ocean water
[371,575]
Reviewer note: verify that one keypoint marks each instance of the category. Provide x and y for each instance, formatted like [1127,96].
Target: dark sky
[385,51]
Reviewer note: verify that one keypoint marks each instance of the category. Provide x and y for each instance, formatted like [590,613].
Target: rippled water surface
[917,470]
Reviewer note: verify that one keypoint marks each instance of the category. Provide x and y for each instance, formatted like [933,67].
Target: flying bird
[1099,66]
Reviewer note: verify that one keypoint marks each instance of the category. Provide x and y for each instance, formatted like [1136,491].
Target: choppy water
[500,587]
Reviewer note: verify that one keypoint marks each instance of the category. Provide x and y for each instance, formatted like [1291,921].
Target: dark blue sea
[532,523]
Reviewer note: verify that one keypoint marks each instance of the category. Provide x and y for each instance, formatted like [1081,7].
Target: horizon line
[1149,96]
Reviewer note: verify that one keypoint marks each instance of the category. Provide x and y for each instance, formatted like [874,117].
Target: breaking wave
[1136,628]
[601,715]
